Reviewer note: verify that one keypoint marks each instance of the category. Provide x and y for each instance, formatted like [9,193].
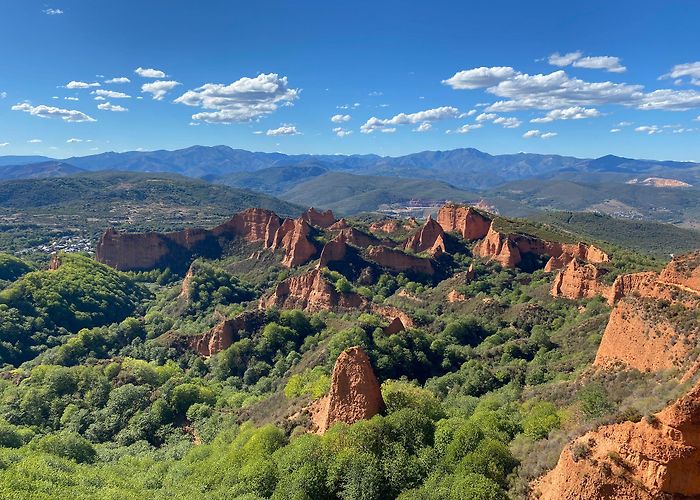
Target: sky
[80,77]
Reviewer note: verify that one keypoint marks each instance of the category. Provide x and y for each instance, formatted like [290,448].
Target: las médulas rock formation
[143,251]
[430,238]
[579,280]
[470,223]
[651,459]
[223,334]
[355,393]
[654,321]
[319,219]
[311,292]
[398,261]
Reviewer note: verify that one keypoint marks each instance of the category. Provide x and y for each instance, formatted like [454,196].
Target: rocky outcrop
[341,224]
[225,333]
[394,327]
[469,222]
[578,280]
[360,239]
[625,284]
[654,458]
[430,239]
[294,238]
[335,250]
[355,393]
[311,292]
[144,251]
[498,247]
[684,272]
[319,219]
[185,288]
[389,313]
[55,262]
[398,261]
[455,296]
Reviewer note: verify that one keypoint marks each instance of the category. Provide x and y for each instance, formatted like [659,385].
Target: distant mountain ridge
[467,168]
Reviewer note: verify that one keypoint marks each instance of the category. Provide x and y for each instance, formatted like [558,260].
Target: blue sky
[617,77]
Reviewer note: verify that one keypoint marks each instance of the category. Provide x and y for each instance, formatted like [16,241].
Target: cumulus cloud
[519,91]
[504,121]
[537,133]
[35,141]
[159,88]
[243,100]
[572,113]
[110,94]
[341,132]
[283,130]
[557,59]
[478,78]
[43,111]
[4,144]
[73,141]
[81,85]
[354,105]
[608,63]
[52,12]
[340,118]
[149,72]
[71,99]
[107,106]
[615,130]
[119,79]
[679,71]
[465,129]
[429,115]
[649,129]
[423,127]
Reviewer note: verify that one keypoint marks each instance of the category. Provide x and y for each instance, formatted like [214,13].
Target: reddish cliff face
[334,251]
[467,221]
[498,247]
[577,281]
[399,261]
[430,238]
[625,284]
[355,393]
[341,224]
[644,460]
[683,271]
[320,219]
[143,251]
[394,327]
[359,239]
[294,238]
[311,292]
[223,335]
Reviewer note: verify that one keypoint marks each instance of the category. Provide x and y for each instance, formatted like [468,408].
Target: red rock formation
[430,238]
[625,284]
[333,251]
[391,312]
[399,261]
[498,247]
[577,281]
[385,226]
[555,263]
[650,459]
[143,251]
[320,219]
[394,327]
[683,271]
[355,393]
[467,221]
[293,236]
[222,335]
[341,224]
[455,296]
[360,239]
[55,262]
[185,290]
[311,292]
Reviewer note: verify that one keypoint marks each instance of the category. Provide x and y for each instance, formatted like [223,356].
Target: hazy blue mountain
[22,160]
[51,168]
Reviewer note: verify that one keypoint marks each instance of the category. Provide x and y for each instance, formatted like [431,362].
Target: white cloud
[52,12]
[375,93]
[4,144]
[100,98]
[354,105]
[71,99]
[624,124]
[243,100]
[81,85]
[505,121]
[557,59]
[465,129]
[572,113]
[649,129]
[106,106]
[119,79]
[557,90]
[429,115]
[340,118]
[149,72]
[111,94]
[3,95]
[159,88]
[423,127]
[688,69]
[35,141]
[471,112]
[608,63]
[341,132]
[43,111]
[478,78]
[73,141]
[537,133]
[615,130]
[283,130]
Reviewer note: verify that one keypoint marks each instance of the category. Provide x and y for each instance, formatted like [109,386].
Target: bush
[67,445]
